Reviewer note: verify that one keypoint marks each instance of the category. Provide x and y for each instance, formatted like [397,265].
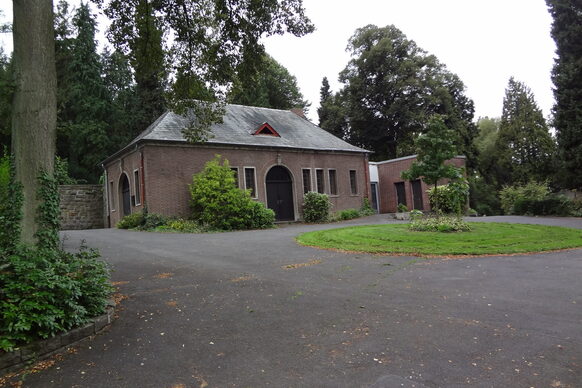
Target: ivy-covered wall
[81,207]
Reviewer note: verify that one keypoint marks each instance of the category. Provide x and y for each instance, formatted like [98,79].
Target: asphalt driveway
[253,309]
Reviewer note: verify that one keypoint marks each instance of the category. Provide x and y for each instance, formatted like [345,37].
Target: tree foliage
[331,111]
[567,78]
[271,87]
[391,88]
[212,41]
[84,100]
[434,148]
[524,146]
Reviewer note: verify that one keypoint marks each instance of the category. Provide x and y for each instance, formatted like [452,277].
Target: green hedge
[552,206]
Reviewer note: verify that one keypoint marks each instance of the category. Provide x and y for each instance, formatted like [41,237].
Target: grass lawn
[484,239]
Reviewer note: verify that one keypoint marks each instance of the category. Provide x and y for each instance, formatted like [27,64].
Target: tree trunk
[34,112]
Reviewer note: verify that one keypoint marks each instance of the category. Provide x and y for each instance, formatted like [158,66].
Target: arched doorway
[125,195]
[280,193]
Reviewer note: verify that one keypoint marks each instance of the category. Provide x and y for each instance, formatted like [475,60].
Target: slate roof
[241,122]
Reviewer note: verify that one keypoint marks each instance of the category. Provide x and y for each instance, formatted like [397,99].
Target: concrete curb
[39,350]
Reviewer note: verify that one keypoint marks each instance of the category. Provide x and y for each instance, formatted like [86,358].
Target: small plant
[416,214]
[367,209]
[131,221]
[402,208]
[347,214]
[445,224]
[316,207]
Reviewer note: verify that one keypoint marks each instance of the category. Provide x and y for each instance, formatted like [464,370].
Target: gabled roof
[239,125]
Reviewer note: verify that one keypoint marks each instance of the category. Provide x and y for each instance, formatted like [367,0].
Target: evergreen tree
[6,94]
[124,125]
[324,97]
[331,111]
[524,144]
[85,105]
[271,87]
[567,78]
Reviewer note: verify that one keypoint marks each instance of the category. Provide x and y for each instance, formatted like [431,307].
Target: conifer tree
[567,78]
[524,145]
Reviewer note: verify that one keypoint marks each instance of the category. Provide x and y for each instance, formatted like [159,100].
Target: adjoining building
[388,189]
[279,155]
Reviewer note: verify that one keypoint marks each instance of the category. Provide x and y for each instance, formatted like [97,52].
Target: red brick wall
[389,173]
[168,170]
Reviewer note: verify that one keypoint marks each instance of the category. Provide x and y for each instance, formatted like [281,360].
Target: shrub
[131,221]
[451,198]
[45,292]
[43,289]
[316,207]
[533,191]
[367,209]
[550,206]
[152,220]
[402,208]
[483,196]
[219,204]
[444,224]
[416,214]
[347,214]
[186,226]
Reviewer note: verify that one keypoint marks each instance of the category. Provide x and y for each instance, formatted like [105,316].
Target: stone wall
[81,207]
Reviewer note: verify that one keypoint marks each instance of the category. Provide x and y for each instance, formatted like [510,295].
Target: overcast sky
[484,42]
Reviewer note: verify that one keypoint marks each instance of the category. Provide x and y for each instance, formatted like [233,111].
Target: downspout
[367,177]
[142,179]
[106,192]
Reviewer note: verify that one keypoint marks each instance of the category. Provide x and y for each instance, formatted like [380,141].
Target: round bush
[316,207]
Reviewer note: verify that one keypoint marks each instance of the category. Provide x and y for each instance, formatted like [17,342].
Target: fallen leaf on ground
[299,265]
[163,275]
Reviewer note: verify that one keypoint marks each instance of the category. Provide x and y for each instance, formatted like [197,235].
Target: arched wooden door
[280,193]
[125,195]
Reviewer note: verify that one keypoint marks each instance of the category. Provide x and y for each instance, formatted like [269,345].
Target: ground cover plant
[43,289]
[482,239]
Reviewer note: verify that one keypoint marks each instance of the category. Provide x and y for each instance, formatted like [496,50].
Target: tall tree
[34,110]
[213,41]
[6,94]
[86,104]
[271,87]
[392,87]
[524,144]
[567,77]
[331,111]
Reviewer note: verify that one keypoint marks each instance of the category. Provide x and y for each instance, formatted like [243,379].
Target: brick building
[388,189]
[277,154]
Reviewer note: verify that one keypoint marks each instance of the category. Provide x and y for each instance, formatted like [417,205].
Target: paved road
[223,310]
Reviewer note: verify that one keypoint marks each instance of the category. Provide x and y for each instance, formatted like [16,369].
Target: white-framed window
[251,181]
[319,180]
[235,172]
[306,174]
[353,182]
[332,175]
[136,187]
[111,197]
